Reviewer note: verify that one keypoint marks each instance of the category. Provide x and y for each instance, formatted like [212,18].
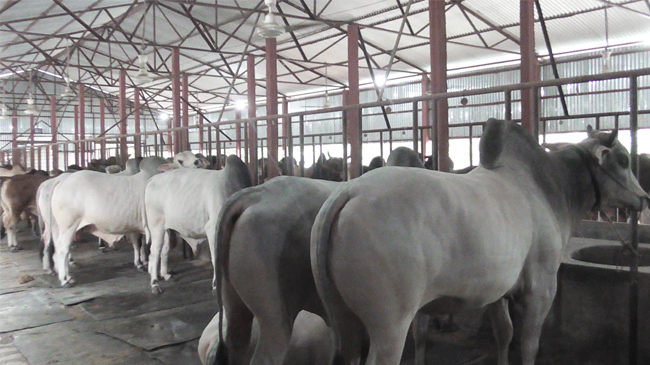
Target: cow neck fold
[590,163]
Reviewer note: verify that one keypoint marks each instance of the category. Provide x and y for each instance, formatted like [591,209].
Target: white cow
[312,341]
[384,247]
[108,206]
[50,229]
[188,202]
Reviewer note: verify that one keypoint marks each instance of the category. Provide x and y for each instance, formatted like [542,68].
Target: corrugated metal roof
[110,31]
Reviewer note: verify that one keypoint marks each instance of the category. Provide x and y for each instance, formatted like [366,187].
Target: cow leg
[387,341]
[62,256]
[275,335]
[536,304]
[9,221]
[211,233]
[239,320]
[158,236]
[420,329]
[164,257]
[502,327]
[137,259]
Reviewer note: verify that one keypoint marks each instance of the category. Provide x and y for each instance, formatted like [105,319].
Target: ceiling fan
[31,108]
[270,27]
[67,93]
[143,76]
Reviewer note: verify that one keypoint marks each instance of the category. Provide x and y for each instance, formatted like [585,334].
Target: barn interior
[83,81]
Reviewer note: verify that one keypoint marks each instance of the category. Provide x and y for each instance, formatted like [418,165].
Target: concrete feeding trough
[591,317]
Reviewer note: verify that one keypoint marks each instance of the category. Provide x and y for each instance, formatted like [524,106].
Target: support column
[272,169]
[136,115]
[76,134]
[176,98]
[32,160]
[286,124]
[15,154]
[426,122]
[252,113]
[102,129]
[354,124]
[201,134]
[53,125]
[238,133]
[438,50]
[529,63]
[82,125]
[185,120]
[122,106]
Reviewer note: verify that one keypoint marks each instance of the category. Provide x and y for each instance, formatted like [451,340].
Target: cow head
[185,159]
[614,181]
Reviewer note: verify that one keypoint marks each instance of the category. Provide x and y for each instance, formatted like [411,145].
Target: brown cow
[17,196]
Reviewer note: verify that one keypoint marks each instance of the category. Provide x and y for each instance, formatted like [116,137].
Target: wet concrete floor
[111,317]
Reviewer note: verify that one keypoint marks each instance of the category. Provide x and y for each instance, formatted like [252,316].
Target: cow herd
[315,271]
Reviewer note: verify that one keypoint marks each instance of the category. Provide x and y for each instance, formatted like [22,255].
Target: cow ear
[600,153]
[611,138]
[166,167]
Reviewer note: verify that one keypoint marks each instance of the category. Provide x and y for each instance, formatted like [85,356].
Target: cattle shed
[98,82]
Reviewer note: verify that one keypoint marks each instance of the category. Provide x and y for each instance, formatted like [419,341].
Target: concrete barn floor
[111,317]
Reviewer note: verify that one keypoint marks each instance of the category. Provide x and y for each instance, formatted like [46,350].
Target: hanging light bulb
[606,53]
[326,104]
[3,108]
[31,110]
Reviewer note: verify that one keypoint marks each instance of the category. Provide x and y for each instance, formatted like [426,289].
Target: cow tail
[320,246]
[228,216]
[41,224]
[48,240]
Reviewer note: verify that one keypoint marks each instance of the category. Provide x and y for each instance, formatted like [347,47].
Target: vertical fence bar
[344,129]
[415,126]
[289,139]
[302,145]
[634,264]
[508,102]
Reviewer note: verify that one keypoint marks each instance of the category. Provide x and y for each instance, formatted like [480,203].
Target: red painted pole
[136,115]
[31,140]
[286,124]
[176,98]
[354,124]
[76,134]
[53,124]
[102,129]
[124,152]
[438,51]
[82,125]
[529,64]
[15,154]
[238,133]
[185,120]
[201,134]
[426,136]
[272,108]
[252,113]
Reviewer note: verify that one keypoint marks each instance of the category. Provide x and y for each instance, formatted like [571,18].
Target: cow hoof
[68,284]
[73,264]
[156,290]
[48,271]
[167,277]
[141,267]
[14,249]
